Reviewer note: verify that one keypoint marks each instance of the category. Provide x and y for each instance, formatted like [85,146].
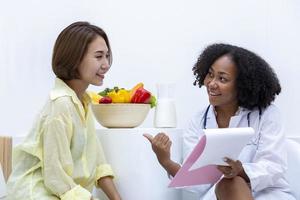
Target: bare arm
[171,167]
[108,187]
[161,145]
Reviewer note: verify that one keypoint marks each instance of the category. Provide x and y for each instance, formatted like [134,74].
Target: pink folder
[215,144]
[204,175]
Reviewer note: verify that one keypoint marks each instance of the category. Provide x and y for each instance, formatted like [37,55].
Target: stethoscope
[248,117]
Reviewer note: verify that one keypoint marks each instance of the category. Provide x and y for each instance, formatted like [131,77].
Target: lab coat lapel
[211,121]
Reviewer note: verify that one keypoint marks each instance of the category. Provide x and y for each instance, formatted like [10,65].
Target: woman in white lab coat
[241,87]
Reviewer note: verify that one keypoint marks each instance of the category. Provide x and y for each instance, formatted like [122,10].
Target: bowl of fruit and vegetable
[121,108]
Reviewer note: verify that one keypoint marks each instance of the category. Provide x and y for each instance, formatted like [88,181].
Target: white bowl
[120,115]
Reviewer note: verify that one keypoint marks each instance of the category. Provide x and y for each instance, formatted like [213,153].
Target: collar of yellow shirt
[62,89]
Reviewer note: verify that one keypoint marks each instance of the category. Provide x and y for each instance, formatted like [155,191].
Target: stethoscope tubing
[207,109]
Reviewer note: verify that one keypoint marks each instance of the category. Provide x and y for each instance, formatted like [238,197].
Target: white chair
[293,172]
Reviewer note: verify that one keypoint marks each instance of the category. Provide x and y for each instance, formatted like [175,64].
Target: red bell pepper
[105,100]
[141,96]
[133,90]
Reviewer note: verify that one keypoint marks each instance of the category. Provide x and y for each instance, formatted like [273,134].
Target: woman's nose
[212,84]
[105,65]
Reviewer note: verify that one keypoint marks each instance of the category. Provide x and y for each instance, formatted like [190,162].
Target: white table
[138,174]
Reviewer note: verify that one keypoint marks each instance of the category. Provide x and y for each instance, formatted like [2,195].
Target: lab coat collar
[211,121]
[234,120]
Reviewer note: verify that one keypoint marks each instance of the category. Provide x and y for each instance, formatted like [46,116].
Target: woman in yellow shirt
[62,158]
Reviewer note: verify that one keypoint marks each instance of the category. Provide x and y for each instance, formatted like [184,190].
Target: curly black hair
[257,83]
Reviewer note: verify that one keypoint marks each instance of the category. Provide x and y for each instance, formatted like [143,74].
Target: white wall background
[152,41]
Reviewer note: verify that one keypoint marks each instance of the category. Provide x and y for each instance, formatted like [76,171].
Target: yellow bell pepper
[119,96]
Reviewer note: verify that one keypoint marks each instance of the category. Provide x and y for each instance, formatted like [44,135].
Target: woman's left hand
[235,168]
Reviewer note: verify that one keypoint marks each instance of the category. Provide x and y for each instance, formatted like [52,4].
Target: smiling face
[95,62]
[220,82]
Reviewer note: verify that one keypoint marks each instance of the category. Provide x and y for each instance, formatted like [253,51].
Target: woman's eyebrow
[99,51]
[223,73]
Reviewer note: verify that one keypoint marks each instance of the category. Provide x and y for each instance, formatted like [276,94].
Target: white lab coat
[263,158]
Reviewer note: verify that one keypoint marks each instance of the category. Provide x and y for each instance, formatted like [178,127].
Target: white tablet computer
[223,142]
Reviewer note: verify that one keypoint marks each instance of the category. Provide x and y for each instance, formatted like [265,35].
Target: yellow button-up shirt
[61,158]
